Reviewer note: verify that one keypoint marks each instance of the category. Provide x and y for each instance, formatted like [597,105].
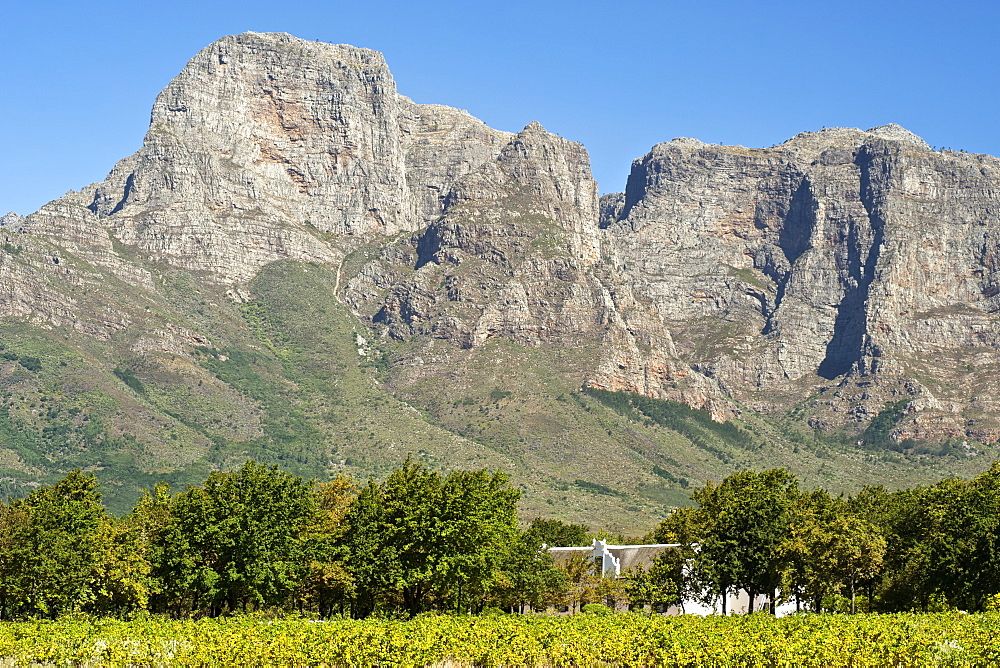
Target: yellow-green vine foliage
[617,640]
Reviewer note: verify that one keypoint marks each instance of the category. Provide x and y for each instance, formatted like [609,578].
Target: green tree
[612,591]
[556,533]
[829,550]
[744,520]
[327,584]
[122,570]
[370,557]
[943,544]
[581,576]
[476,534]
[805,557]
[51,547]
[974,567]
[528,577]
[858,551]
[237,541]
[672,578]
[905,525]
[683,525]
[422,540]
[665,583]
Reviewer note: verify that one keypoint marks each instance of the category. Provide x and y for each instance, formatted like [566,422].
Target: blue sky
[80,77]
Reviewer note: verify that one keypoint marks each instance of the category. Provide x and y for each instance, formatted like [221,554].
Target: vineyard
[954,639]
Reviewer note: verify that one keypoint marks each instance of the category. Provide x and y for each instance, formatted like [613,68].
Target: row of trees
[918,549]
[259,538]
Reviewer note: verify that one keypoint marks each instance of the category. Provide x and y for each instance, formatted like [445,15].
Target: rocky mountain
[303,266]
[842,268]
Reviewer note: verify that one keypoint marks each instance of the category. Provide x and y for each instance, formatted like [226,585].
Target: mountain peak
[830,136]
[534,127]
[897,132]
[11,220]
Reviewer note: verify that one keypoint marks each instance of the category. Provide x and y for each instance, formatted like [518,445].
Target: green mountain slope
[290,376]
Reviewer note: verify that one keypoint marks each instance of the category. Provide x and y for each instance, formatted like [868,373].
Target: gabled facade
[616,560]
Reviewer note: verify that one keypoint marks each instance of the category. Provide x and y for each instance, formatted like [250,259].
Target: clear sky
[79,78]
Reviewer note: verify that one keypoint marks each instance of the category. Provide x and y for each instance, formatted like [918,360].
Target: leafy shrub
[694,424]
[496,394]
[30,363]
[596,488]
[128,377]
[876,435]
[598,609]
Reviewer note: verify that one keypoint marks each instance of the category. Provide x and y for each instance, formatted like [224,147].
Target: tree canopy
[259,538]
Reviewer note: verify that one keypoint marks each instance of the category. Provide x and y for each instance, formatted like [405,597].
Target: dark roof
[630,556]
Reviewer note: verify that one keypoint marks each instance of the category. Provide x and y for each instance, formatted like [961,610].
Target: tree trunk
[853,609]
[725,594]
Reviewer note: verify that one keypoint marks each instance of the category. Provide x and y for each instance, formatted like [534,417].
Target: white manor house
[616,560]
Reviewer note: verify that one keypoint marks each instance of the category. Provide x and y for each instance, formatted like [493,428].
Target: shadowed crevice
[428,245]
[129,184]
[635,190]
[794,239]
[844,348]
[796,233]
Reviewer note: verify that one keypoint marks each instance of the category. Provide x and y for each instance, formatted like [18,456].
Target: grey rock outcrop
[512,250]
[11,221]
[265,147]
[848,262]
[271,126]
[442,145]
[519,254]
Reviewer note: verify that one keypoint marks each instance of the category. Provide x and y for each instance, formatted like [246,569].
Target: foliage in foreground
[624,639]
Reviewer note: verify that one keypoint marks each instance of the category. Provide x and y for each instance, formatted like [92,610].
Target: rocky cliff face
[853,264]
[518,254]
[831,274]
[844,265]
[263,147]
[528,216]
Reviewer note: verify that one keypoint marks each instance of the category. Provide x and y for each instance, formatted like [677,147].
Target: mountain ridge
[799,291]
